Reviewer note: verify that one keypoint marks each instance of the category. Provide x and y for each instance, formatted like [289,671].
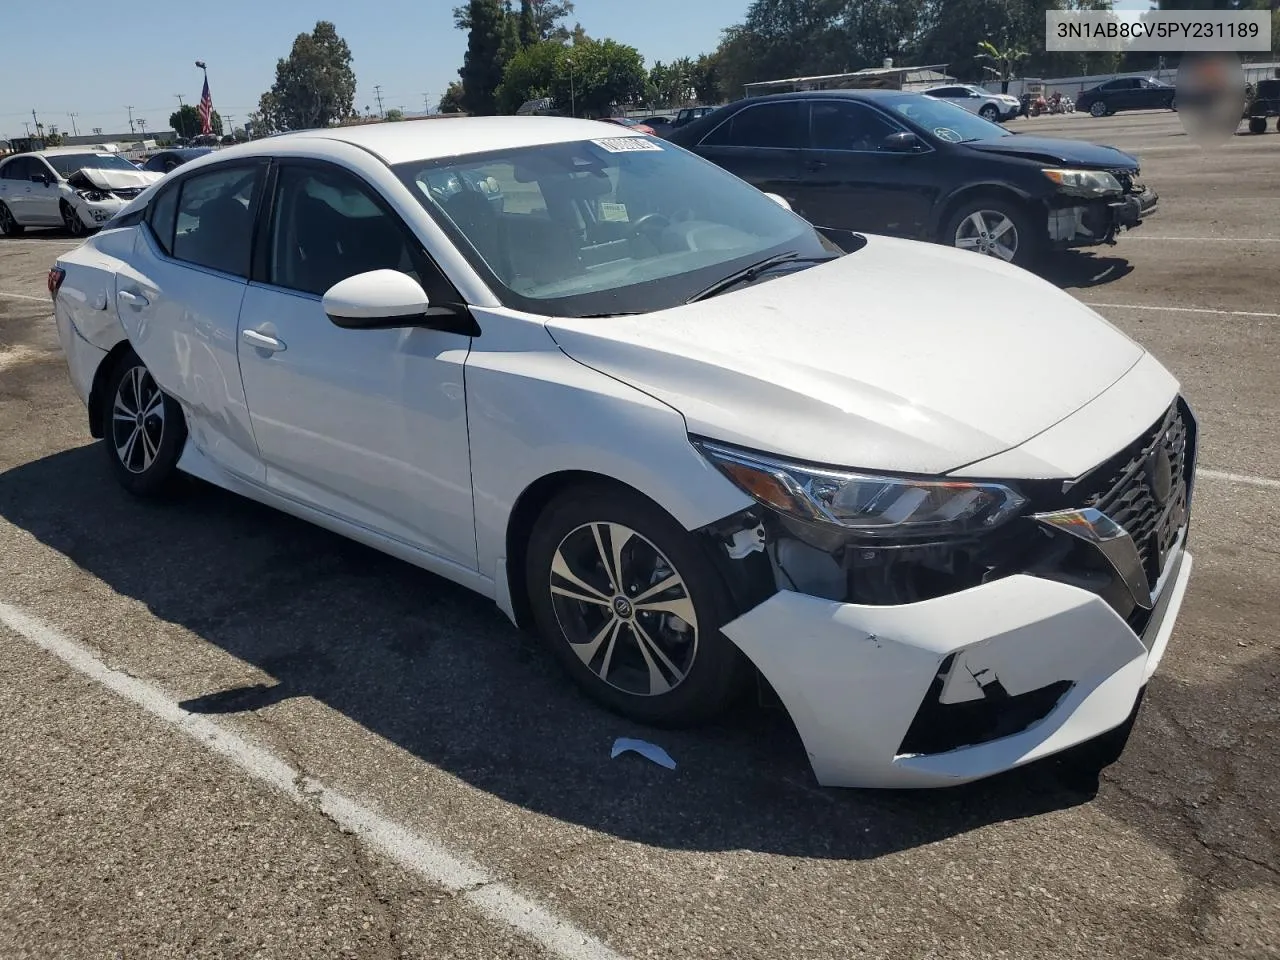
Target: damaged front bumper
[1085,224]
[1031,666]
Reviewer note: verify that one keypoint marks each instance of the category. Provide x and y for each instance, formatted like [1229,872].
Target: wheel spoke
[560,568]
[155,406]
[979,224]
[657,682]
[619,537]
[604,556]
[126,450]
[135,382]
[967,243]
[603,673]
[643,635]
[1002,228]
[122,408]
[587,651]
[681,607]
[1003,252]
[661,587]
[149,448]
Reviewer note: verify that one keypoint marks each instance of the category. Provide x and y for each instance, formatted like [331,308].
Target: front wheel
[995,228]
[144,429]
[632,606]
[989,113]
[1098,109]
[1258,125]
[72,221]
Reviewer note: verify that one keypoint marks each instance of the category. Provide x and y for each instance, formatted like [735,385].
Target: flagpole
[205,69]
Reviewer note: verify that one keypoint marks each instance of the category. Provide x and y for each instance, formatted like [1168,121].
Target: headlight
[1084,183]
[93,196]
[866,504]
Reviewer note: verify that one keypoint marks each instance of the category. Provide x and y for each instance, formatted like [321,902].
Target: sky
[143,52]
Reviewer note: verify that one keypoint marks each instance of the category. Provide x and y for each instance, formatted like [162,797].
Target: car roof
[66,151]
[431,139]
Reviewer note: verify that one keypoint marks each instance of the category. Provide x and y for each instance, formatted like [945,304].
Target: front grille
[1128,488]
[128,194]
[1130,180]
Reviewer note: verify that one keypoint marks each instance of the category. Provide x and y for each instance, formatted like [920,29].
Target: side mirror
[902,142]
[386,299]
[780,201]
[41,178]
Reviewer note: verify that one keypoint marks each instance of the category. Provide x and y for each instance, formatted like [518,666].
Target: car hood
[903,356]
[1050,150]
[112,179]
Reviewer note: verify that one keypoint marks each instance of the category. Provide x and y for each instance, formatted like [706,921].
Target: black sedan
[908,165]
[1127,93]
[166,160]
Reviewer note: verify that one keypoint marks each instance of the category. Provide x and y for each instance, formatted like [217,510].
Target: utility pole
[28,126]
[143,124]
[39,130]
[426,102]
[377,95]
[229,128]
[182,133]
[74,130]
[130,109]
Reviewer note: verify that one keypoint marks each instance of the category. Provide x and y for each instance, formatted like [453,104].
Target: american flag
[206,109]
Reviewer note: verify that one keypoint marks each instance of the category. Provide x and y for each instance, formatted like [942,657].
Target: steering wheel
[649,224]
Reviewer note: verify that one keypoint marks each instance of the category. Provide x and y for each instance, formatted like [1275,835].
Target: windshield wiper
[601,316]
[752,273]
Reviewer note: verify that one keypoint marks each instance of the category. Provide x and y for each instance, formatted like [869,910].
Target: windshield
[945,120]
[611,225]
[68,163]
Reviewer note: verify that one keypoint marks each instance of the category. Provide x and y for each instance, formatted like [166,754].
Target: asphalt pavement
[227,733]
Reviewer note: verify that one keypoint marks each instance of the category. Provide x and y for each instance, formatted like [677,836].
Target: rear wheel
[1259,125]
[996,228]
[72,221]
[632,606]
[145,430]
[9,226]
[1098,109]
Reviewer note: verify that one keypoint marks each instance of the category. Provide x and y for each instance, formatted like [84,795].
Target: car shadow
[1076,270]
[439,672]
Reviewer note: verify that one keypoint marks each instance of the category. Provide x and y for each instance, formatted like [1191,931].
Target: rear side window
[163,218]
[771,125]
[213,226]
[19,169]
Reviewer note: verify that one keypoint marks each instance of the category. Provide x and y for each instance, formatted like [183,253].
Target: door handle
[260,341]
[135,300]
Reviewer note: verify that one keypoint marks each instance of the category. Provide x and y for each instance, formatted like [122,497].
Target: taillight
[56,276]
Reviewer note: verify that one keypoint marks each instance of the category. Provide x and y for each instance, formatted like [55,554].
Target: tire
[989,113]
[9,226]
[687,672]
[149,470]
[1258,125]
[1097,109]
[72,221]
[1028,242]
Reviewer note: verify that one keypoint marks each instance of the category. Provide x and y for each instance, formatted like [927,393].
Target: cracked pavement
[120,837]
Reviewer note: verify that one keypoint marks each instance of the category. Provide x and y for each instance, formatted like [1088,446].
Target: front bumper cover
[854,678]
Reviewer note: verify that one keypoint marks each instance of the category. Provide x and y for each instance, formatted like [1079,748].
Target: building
[886,77]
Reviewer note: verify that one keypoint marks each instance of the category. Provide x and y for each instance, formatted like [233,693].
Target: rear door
[179,300]
[761,143]
[851,181]
[15,187]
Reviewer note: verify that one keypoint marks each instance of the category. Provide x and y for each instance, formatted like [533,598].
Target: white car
[996,107]
[77,188]
[658,418]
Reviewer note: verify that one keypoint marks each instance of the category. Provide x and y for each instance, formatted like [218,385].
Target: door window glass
[17,169]
[327,226]
[214,222]
[163,218]
[849,126]
[777,125]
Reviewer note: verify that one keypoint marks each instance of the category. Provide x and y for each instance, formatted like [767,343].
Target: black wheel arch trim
[946,205]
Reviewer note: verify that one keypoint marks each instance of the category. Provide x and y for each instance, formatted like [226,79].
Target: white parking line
[1245,478]
[1148,306]
[51,240]
[424,855]
[23,296]
[1141,236]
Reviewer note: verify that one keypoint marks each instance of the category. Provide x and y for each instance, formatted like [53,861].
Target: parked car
[996,107]
[689,114]
[661,124]
[167,160]
[661,420]
[913,166]
[71,187]
[635,125]
[1127,93]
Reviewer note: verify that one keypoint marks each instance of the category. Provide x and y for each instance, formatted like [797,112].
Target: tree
[587,78]
[488,50]
[533,73]
[315,85]
[394,115]
[544,20]
[706,78]
[1006,60]
[528,27]
[185,121]
[451,100]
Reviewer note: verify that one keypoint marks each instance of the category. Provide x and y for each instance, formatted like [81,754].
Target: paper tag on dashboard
[613,211]
[626,144]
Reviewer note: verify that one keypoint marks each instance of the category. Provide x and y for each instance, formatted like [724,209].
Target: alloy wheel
[137,420]
[75,226]
[988,232]
[990,113]
[624,609]
[1098,109]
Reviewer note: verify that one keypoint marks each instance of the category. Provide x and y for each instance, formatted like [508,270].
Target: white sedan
[77,188]
[996,107]
[659,419]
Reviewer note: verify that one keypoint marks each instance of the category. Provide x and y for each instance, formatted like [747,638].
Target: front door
[850,180]
[761,144]
[179,295]
[44,199]
[366,425]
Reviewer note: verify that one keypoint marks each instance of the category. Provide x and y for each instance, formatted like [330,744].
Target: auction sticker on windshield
[626,144]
